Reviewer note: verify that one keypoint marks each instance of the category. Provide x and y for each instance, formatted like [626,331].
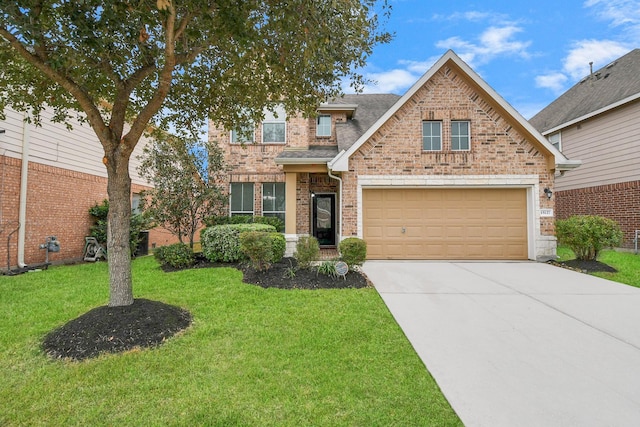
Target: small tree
[185,191]
[587,235]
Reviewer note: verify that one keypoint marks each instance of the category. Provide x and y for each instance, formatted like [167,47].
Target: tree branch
[83,98]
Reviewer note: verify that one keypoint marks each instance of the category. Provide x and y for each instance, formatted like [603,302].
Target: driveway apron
[520,343]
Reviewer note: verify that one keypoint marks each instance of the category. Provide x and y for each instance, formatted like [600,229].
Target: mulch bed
[148,323]
[106,329]
[585,266]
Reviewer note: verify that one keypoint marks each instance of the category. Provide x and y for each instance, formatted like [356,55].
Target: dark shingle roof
[314,152]
[612,83]
[370,108]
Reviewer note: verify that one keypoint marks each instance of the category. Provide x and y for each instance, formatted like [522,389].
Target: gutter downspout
[340,209]
[24,172]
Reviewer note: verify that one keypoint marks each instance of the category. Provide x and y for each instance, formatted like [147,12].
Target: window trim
[559,146]
[284,194]
[324,126]
[468,135]
[439,122]
[253,202]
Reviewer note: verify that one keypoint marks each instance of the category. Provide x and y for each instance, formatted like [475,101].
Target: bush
[278,246]
[257,246]
[245,219]
[178,255]
[307,251]
[222,242]
[353,251]
[587,235]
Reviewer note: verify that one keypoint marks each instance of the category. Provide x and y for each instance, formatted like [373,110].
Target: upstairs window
[556,140]
[460,138]
[241,198]
[274,127]
[243,135]
[323,125]
[431,136]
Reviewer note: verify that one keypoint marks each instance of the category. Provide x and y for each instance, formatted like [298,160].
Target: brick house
[63,176]
[598,121]
[449,170]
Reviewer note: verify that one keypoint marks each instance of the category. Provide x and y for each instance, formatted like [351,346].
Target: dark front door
[324,219]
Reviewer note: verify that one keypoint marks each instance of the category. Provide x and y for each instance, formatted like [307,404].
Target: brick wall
[58,201]
[620,202]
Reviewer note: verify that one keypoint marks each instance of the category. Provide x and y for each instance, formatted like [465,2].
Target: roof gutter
[303,161]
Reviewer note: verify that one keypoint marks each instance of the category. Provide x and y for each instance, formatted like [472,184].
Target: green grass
[627,264]
[253,356]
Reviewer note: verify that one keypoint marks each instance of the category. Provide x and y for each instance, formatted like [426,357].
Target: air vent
[612,64]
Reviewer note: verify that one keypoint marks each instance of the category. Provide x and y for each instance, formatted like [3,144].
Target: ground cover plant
[251,356]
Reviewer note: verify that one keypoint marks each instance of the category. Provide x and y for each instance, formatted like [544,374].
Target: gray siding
[53,145]
[609,147]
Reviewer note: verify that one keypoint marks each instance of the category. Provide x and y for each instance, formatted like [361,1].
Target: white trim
[341,162]
[529,182]
[593,113]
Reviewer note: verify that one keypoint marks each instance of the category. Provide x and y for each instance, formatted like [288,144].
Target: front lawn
[252,357]
[627,264]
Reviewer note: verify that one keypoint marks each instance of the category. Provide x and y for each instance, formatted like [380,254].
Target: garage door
[445,223]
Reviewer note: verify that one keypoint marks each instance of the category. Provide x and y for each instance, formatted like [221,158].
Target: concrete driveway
[520,343]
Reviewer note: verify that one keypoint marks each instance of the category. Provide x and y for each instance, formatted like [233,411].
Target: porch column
[291,205]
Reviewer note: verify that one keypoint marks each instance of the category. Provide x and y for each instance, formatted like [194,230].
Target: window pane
[280,198]
[236,197]
[243,134]
[247,197]
[323,126]
[273,132]
[431,136]
[268,198]
[459,135]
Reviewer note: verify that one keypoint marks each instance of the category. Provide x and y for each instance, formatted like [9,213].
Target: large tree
[123,65]
[185,189]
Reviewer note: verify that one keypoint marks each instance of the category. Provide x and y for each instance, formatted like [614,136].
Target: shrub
[278,246]
[100,212]
[353,251]
[328,268]
[307,251]
[178,255]
[245,219]
[222,242]
[257,246]
[587,235]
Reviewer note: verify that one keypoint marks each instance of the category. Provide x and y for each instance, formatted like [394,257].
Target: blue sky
[529,52]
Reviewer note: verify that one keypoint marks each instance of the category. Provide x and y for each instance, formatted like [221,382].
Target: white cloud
[619,12]
[493,42]
[553,81]
[392,81]
[600,52]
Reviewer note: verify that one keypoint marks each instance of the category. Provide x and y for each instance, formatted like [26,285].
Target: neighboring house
[49,178]
[598,121]
[447,171]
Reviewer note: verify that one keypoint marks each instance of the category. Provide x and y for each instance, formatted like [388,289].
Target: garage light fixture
[548,192]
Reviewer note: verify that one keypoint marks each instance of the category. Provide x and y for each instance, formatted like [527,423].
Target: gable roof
[341,162]
[611,86]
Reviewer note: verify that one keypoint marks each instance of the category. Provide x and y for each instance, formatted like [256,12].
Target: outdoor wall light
[313,194]
[548,192]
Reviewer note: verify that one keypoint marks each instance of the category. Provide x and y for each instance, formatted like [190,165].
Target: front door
[324,219]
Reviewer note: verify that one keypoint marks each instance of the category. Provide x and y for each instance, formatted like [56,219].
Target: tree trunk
[119,223]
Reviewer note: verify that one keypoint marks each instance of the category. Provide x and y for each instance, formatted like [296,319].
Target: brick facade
[502,153]
[619,202]
[58,201]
